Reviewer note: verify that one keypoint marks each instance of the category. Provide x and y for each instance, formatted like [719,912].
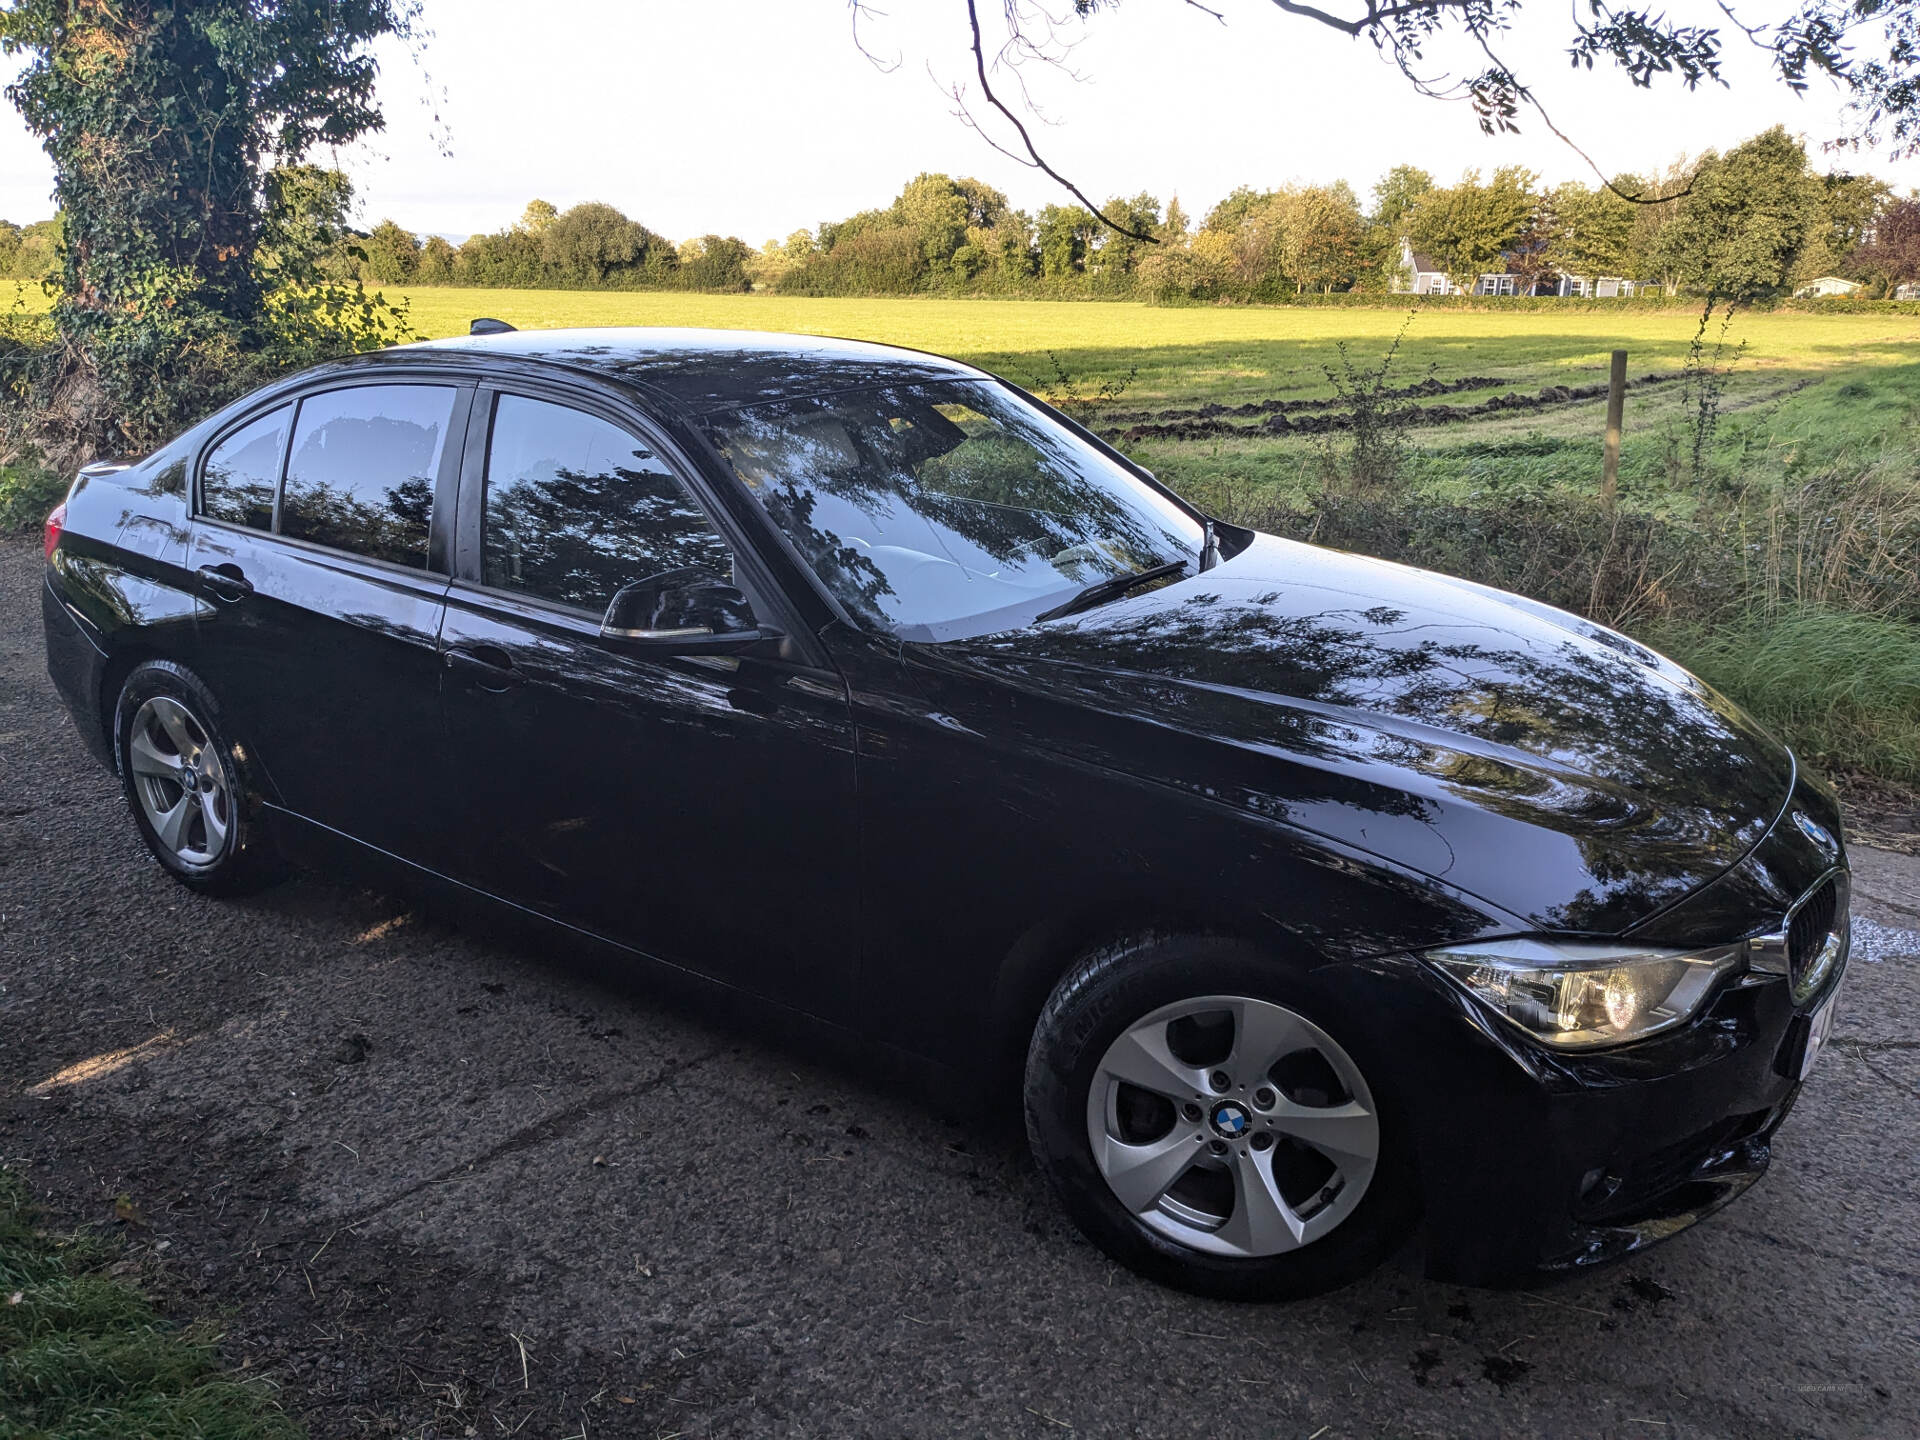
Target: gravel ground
[437,1187]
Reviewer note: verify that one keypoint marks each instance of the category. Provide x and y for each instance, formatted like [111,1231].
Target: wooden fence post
[1616,410]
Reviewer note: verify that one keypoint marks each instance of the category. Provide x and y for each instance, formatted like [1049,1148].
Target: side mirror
[690,611]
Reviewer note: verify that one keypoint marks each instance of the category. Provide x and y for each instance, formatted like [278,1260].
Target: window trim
[446,481]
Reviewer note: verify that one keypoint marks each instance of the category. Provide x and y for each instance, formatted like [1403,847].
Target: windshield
[945,510]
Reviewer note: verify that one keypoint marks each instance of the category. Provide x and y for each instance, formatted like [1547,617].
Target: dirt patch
[1299,417]
[1882,816]
[1423,390]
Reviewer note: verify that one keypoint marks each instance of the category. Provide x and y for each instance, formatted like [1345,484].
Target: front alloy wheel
[1205,1114]
[1233,1125]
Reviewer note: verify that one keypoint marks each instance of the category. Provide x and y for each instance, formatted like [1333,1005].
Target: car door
[699,807]
[316,546]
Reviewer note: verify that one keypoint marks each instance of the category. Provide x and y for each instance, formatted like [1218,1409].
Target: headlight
[1580,997]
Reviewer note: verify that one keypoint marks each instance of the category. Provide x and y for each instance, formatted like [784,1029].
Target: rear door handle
[487,667]
[225,581]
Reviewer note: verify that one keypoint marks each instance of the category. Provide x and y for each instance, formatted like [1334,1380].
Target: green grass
[1198,353]
[1223,353]
[84,1355]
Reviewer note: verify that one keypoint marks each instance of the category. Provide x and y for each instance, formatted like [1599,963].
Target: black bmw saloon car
[1316,903]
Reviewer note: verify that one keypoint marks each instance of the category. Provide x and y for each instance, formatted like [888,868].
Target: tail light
[56,522]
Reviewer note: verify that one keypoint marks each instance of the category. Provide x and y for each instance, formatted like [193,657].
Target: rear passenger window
[363,467]
[577,507]
[237,485]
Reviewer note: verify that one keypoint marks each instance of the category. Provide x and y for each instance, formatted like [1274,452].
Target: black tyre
[184,785]
[1209,1123]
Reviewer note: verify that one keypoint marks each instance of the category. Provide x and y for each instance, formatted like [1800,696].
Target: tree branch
[1035,160]
[1525,93]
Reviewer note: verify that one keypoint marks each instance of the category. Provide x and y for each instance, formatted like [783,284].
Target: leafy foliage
[176,287]
[1892,246]
[1469,227]
[1740,230]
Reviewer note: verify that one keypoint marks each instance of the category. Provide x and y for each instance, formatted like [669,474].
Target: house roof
[1425,264]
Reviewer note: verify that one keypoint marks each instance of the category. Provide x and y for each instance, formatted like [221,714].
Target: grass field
[1808,388]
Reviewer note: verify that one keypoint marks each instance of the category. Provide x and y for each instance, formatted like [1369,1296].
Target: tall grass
[84,1355]
[1843,688]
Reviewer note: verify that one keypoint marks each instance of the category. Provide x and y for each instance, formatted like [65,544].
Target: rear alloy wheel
[180,783]
[184,783]
[1205,1129]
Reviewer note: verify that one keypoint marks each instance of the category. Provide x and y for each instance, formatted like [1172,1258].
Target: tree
[1849,206]
[304,216]
[592,244]
[1175,227]
[1114,251]
[937,211]
[437,261]
[1597,230]
[159,119]
[538,215]
[1064,233]
[1891,249]
[393,254]
[1322,237]
[1740,230]
[715,262]
[1395,196]
[1238,251]
[1469,227]
[41,250]
[778,258]
[1531,257]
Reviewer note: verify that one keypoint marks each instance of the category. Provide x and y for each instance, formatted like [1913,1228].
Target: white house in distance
[1828,285]
[1422,275]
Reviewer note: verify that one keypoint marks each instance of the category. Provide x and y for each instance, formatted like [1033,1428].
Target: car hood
[1549,766]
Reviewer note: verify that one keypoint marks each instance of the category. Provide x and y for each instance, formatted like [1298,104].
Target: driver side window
[576,507]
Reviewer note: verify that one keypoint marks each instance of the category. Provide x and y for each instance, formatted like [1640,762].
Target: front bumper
[1530,1159]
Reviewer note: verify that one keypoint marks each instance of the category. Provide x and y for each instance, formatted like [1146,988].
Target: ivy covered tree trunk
[159,118]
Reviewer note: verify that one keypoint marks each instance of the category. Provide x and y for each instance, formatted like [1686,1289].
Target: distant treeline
[27,252]
[1751,224]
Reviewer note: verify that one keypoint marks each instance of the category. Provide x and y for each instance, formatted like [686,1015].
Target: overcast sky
[758,117]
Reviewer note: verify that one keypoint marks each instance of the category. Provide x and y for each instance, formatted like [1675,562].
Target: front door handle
[487,667]
[226,582]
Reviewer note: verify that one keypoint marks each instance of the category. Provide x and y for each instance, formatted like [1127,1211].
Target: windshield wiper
[1103,590]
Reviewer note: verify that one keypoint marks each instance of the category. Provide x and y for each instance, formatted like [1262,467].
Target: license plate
[1822,1026]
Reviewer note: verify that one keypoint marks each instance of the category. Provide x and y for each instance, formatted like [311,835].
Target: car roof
[704,370]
